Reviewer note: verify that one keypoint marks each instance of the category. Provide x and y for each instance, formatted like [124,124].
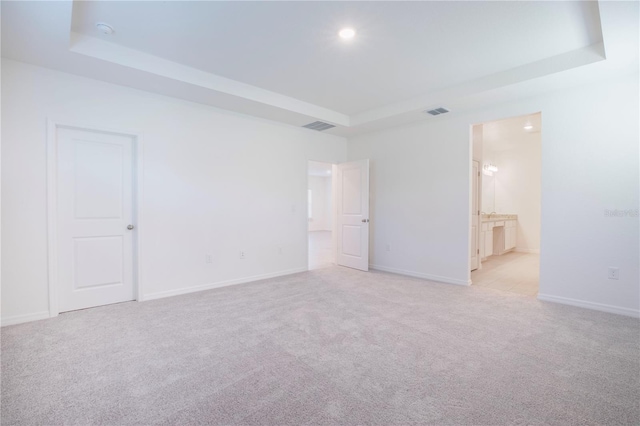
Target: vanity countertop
[495,217]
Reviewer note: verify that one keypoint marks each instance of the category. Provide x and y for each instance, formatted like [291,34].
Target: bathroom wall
[516,185]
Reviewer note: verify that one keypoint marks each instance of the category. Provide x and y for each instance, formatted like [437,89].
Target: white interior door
[95,208]
[353,214]
[475,217]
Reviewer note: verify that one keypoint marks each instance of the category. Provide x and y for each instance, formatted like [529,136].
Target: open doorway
[505,224]
[320,214]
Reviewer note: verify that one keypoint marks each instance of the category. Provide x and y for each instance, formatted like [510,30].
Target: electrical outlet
[387,247]
[242,254]
[209,258]
[614,273]
[280,250]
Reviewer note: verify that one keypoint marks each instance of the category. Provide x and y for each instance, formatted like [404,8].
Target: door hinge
[478,251]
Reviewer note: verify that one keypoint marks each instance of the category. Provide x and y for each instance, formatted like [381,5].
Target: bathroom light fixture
[105,29]
[347,33]
[528,127]
[488,169]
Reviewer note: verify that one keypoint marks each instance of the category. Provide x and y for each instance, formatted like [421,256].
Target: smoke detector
[105,29]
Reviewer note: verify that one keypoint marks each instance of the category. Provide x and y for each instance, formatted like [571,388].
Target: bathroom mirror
[488,193]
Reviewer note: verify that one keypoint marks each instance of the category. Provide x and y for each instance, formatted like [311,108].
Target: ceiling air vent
[319,126]
[437,111]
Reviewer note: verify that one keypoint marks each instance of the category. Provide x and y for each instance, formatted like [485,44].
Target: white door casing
[475,216]
[353,214]
[94,248]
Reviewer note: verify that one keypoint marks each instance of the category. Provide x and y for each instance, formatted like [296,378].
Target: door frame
[481,161]
[478,199]
[52,204]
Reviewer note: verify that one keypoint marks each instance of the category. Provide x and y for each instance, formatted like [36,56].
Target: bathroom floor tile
[513,272]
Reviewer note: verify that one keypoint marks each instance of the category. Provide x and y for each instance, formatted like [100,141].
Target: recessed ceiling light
[528,127]
[347,33]
[105,29]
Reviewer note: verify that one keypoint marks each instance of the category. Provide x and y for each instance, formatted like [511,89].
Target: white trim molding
[52,203]
[590,305]
[430,277]
[19,319]
[209,286]
[52,217]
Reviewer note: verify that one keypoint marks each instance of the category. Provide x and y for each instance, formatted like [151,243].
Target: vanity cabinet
[504,237]
[497,237]
[486,240]
[509,235]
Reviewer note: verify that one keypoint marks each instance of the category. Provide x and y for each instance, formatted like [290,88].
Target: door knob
[365,220]
[130,227]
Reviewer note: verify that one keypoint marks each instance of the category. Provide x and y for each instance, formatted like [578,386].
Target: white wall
[420,183]
[477,143]
[208,188]
[214,181]
[321,218]
[517,186]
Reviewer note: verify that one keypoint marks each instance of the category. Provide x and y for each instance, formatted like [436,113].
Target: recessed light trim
[528,127]
[347,33]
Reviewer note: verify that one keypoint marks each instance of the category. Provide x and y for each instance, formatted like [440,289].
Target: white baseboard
[524,250]
[209,286]
[429,277]
[590,305]
[19,319]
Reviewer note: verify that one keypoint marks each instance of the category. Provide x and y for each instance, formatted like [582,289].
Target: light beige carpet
[327,347]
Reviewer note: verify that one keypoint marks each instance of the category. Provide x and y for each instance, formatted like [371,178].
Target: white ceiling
[500,135]
[402,48]
[283,60]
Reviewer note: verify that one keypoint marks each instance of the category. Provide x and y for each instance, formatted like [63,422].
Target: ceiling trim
[114,53]
[102,59]
[573,59]
[107,51]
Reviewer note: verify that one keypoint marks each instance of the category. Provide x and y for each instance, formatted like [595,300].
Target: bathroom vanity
[497,234]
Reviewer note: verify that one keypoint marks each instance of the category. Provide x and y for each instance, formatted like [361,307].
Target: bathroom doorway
[508,154]
[320,214]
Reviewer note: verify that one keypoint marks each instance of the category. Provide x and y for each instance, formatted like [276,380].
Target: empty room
[276,213]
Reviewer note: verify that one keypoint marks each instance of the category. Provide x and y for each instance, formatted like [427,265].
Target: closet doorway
[320,214]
